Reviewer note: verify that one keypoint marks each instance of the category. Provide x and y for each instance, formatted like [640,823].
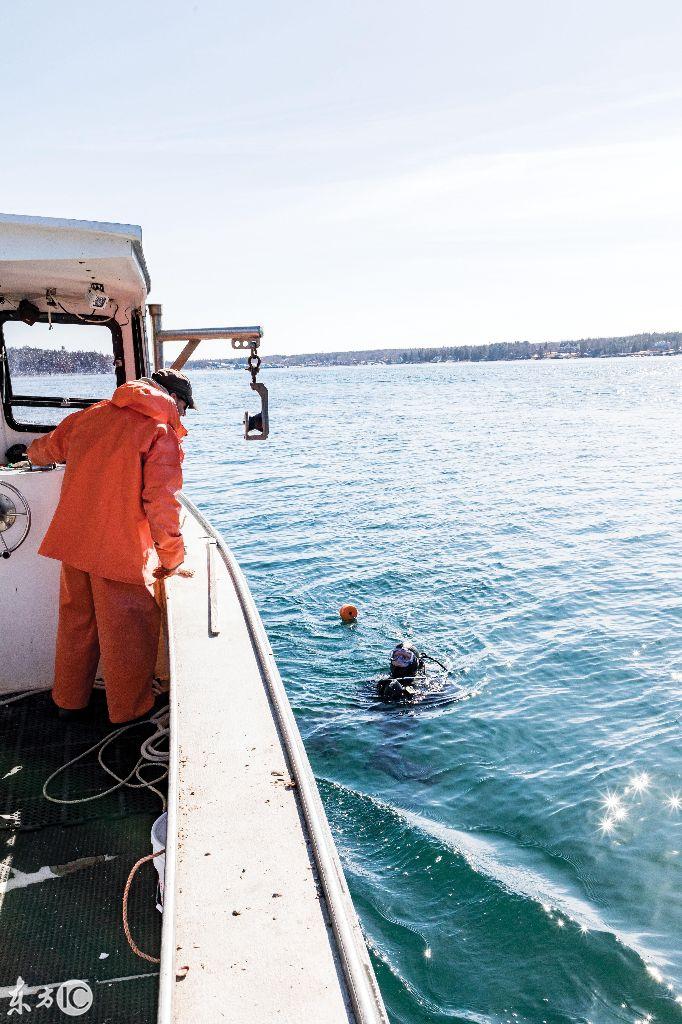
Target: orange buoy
[348,612]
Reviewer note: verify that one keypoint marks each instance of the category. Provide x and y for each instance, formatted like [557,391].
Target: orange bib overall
[117,519]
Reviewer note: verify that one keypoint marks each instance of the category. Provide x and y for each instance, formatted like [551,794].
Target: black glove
[17,453]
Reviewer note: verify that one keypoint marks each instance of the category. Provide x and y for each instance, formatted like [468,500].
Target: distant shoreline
[27,362]
[660,344]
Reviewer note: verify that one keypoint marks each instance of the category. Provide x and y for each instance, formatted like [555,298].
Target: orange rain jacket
[119,495]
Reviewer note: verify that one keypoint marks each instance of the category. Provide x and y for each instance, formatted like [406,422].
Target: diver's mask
[404,662]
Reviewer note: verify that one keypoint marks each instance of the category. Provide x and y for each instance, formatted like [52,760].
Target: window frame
[140,347]
[11,401]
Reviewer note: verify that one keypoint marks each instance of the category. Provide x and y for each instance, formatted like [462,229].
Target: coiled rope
[150,756]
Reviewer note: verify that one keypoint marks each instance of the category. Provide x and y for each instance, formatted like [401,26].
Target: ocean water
[512,840]
[516,855]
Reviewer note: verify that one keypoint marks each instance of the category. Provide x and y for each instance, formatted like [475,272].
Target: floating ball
[348,612]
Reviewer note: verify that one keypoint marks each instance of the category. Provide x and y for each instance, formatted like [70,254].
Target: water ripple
[521,523]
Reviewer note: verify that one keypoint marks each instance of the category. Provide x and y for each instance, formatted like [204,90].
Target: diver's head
[404,661]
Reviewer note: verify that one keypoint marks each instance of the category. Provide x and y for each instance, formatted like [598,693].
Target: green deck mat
[34,742]
[70,926]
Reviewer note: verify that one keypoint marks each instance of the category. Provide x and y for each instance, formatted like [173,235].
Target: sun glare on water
[640,783]
[612,802]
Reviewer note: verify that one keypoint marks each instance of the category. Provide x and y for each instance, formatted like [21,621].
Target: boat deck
[65,922]
[252,925]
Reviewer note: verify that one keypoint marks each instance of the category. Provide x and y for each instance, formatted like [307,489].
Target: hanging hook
[257,426]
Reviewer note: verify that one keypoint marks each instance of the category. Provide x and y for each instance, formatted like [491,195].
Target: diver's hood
[404,662]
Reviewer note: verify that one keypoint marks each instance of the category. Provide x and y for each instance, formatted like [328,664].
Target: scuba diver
[408,670]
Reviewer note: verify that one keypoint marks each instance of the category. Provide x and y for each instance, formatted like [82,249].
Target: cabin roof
[37,253]
[131,231]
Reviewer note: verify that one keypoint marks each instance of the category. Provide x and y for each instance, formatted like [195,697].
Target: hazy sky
[365,174]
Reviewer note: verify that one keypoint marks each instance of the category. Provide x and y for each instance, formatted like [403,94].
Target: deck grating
[56,929]
[34,740]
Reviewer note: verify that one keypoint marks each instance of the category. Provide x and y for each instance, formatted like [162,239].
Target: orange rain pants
[119,622]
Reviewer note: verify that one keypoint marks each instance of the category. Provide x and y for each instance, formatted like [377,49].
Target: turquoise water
[522,522]
[514,856]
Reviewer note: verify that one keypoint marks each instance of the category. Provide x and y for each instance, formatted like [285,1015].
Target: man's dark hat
[176,383]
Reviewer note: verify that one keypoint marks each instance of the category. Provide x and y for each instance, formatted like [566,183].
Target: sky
[364,174]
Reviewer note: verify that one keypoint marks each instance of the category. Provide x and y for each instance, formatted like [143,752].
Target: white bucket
[159,829]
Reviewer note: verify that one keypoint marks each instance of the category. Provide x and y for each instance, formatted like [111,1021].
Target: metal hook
[257,427]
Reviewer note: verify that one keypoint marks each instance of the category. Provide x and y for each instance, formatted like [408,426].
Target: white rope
[158,687]
[22,695]
[150,756]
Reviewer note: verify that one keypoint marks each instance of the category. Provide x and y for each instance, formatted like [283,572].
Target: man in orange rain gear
[116,529]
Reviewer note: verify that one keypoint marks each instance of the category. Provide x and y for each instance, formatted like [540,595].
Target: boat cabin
[251,919]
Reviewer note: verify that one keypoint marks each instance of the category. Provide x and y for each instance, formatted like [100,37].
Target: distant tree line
[27,361]
[669,343]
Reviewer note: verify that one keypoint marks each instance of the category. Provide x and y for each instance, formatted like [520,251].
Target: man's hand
[162,573]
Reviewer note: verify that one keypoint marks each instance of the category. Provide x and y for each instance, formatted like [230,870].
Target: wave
[493,861]
[516,870]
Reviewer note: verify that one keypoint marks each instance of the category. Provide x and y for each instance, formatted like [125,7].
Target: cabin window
[46,374]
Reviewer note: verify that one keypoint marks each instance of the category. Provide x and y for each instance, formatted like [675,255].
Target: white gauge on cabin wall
[15,519]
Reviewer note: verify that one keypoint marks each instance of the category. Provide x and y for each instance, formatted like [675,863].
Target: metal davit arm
[256,427]
[241,337]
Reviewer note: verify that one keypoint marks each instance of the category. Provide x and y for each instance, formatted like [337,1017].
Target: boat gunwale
[167,955]
[358,973]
